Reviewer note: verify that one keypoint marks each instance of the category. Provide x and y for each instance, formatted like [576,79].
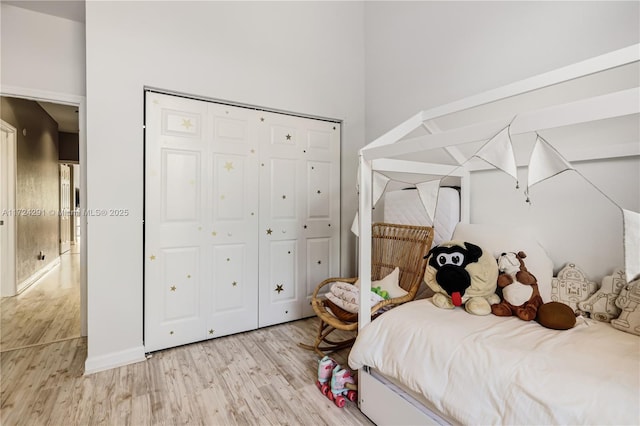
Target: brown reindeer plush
[520,294]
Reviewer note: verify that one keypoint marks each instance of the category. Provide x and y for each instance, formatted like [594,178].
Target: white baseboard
[114,360]
[37,275]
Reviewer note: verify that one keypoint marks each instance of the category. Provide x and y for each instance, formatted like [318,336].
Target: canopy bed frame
[442,143]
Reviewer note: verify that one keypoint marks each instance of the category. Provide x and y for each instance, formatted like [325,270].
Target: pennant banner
[355,225]
[631,244]
[428,192]
[499,153]
[380,182]
[545,162]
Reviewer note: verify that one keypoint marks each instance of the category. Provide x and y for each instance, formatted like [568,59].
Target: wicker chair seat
[393,245]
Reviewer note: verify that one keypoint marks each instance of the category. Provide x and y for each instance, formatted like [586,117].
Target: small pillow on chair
[390,284]
[341,314]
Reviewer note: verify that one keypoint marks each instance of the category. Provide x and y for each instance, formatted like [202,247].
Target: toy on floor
[340,381]
[325,371]
[334,381]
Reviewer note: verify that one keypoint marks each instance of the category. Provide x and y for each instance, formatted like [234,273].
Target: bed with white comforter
[496,370]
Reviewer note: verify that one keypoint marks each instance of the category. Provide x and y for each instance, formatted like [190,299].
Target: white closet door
[201,265]
[176,205]
[242,217]
[321,214]
[299,219]
[233,224]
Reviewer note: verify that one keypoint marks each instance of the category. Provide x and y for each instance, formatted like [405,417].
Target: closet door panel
[319,194]
[175,205]
[282,194]
[282,188]
[181,185]
[180,270]
[232,297]
[319,263]
[321,213]
[282,273]
[177,308]
[279,290]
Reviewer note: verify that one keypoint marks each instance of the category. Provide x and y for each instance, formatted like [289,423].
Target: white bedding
[495,370]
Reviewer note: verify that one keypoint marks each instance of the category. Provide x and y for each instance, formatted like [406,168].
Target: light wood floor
[48,311]
[256,378]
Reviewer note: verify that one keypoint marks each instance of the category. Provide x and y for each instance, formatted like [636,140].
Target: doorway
[74,272]
[7,208]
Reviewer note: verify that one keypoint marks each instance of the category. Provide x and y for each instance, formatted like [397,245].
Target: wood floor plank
[257,378]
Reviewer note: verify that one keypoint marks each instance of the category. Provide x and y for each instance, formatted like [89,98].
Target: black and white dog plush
[462,273]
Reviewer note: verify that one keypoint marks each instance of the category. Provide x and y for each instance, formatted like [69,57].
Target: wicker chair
[393,245]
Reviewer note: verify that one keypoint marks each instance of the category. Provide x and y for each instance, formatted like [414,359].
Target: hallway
[46,312]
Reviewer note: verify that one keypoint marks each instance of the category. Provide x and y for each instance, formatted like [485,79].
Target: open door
[7,209]
[65,208]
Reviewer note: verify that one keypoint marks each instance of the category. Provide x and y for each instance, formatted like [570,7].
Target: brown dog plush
[520,294]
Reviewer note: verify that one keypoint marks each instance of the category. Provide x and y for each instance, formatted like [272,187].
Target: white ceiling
[67,9]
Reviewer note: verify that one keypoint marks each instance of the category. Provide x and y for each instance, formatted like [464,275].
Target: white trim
[27,283]
[399,408]
[407,166]
[364,242]
[398,132]
[9,286]
[81,103]
[590,66]
[40,95]
[114,360]
[611,105]
[604,62]
[239,104]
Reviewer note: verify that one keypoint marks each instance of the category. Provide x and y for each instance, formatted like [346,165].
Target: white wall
[424,54]
[427,53]
[41,53]
[305,57]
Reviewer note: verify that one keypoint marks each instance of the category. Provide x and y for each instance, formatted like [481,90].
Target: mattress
[496,370]
[404,207]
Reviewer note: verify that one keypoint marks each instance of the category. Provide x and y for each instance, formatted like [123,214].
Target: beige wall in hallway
[36,185]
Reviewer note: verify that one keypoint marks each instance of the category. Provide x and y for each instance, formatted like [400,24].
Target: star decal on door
[186,123]
[279,288]
[269,231]
[228,165]
[172,288]
[288,137]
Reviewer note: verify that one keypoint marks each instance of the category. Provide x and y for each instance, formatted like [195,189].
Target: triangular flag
[380,182]
[355,226]
[631,244]
[545,162]
[498,152]
[428,192]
